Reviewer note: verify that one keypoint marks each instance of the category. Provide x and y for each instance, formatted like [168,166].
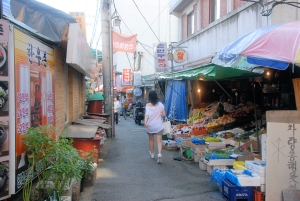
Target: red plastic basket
[258,196]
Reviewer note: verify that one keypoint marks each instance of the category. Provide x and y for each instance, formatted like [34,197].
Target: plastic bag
[239,165]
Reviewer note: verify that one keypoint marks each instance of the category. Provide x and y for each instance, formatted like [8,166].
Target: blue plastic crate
[232,192]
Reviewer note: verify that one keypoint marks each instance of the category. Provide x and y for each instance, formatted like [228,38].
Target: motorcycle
[139,112]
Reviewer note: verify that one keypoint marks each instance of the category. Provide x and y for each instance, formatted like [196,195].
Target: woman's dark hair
[152,97]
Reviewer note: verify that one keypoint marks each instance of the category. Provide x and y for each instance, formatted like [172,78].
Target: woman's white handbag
[167,127]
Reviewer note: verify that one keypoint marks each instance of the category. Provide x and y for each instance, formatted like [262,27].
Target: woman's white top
[154,118]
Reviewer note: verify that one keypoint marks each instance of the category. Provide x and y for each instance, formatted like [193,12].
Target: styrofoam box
[226,141]
[202,165]
[247,180]
[196,158]
[226,162]
[216,145]
[256,166]
[210,168]
[171,143]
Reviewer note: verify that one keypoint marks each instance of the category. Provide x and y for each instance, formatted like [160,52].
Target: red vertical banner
[126,76]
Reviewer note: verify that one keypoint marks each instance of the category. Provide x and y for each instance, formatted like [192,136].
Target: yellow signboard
[80,19]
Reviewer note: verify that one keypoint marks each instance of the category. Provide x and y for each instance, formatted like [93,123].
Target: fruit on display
[195,117]
[198,128]
[227,135]
[180,126]
[212,124]
[239,113]
[212,139]
[225,119]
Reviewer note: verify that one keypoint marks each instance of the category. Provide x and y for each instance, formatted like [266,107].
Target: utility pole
[108,86]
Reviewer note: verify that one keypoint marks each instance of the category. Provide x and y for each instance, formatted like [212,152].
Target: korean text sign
[126,76]
[124,43]
[161,57]
[34,92]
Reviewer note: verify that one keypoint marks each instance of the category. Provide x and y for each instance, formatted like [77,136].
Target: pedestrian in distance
[125,106]
[155,111]
[117,107]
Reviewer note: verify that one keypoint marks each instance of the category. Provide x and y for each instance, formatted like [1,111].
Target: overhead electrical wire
[149,53]
[95,23]
[145,20]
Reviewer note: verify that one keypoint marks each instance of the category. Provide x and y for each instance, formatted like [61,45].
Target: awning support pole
[255,116]
[223,89]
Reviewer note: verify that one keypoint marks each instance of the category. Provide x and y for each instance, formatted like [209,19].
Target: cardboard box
[251,145]
[245,156]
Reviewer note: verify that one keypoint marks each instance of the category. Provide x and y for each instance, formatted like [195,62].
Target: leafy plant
[87,161]
[55,161]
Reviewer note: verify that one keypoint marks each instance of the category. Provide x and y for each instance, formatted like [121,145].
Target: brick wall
[238,3]
[60,98]
[205,13]
[223,7]
[184,28]
[76,91]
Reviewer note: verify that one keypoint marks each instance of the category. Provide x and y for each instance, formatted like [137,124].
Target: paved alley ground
[128,172]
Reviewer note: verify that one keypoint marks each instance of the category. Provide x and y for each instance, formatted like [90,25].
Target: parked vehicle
[139,112]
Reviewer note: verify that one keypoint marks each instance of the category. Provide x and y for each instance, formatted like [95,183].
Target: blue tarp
[175,100]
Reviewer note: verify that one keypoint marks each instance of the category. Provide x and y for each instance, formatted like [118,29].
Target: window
[191,23]
[215,10]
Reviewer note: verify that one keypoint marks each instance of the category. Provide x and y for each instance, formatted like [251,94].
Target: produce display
[227,135]
[217,154]
[239,113]
[212,139]
[195,117]
[212,124]
[225,119]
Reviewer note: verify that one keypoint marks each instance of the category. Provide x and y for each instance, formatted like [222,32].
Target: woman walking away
[153,122]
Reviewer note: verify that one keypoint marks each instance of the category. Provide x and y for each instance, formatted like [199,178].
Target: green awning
[95,96]
[209,72]
[97,53]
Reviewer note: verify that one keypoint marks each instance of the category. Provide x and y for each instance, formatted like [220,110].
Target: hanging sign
[137,92]
[161,57]
[124,43]
[137,78]
[126,76]
[180,55]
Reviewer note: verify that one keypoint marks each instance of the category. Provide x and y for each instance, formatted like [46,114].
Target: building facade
[152,23]
[205,26]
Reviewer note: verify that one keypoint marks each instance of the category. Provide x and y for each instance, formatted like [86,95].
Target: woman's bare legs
[151,143]
[159,143]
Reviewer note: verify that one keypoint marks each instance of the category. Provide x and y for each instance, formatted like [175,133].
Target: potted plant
[86,163]
[55,161]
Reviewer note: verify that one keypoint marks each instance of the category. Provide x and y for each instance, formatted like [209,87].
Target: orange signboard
[124,43]
[34,92]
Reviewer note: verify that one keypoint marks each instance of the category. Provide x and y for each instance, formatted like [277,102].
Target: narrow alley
[128,172]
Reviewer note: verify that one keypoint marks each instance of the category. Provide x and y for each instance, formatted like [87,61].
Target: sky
[89,7]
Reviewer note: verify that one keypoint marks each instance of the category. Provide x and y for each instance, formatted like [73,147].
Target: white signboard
[161,57]
[79,53]
[283,153]
[137,77]
[180,55]
[137,92]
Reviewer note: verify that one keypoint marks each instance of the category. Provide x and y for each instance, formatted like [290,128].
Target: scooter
[139,112]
